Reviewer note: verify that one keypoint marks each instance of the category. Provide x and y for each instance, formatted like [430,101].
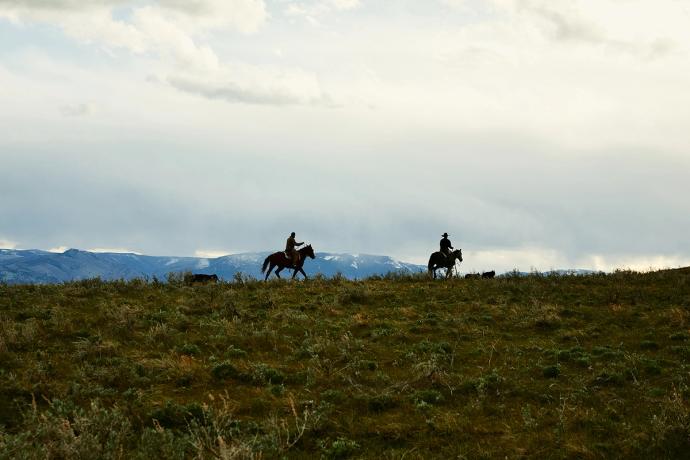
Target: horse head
[458,254]
[309,251]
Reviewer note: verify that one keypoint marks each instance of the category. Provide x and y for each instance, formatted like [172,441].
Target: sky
[540,134]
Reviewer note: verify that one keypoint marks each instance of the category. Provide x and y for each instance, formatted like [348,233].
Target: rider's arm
[299,244]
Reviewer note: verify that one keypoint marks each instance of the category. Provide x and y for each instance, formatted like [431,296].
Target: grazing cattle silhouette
[280,260]
[201,278]
[489,275]
[439,260]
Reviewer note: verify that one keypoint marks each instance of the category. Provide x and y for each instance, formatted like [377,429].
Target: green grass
[521,367]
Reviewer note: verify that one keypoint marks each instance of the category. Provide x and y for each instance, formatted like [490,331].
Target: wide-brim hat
[445,235]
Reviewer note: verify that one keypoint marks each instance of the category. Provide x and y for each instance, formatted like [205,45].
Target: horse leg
[278,272]
[268,272]
[304,274]
[294,273]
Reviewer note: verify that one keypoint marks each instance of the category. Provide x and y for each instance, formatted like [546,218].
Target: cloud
[243,15]
[7,244]
[57,5]
[76,110]
[570,23]
[649,262]
[345,4]
[292,87]
[520,258]
[114,251]
[566,25]
[521,137]
[172,31]
[210,254]
[640,28]
[312,10]
[168,29]
[59,249]
[546,259]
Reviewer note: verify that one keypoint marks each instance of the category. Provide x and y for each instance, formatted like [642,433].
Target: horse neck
[303,250]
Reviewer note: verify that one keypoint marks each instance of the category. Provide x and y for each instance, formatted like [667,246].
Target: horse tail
[431,263]
[265,266]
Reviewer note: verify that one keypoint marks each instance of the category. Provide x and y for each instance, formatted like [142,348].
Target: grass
[592,366]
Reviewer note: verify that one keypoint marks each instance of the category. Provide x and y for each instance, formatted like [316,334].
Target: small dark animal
[473,276]
[201,278]
[489,275]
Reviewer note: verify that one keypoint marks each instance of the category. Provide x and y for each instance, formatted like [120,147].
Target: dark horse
[280,260]
[438,260]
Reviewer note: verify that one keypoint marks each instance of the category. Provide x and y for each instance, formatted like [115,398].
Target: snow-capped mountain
[36,266]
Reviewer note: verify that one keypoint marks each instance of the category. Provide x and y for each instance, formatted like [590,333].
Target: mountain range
[37,266]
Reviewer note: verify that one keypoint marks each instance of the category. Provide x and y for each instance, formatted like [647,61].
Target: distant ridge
[37,266]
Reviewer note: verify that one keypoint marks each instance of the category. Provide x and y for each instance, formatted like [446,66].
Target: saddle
[289,257]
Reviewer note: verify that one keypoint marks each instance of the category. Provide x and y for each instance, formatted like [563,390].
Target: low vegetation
[594,366]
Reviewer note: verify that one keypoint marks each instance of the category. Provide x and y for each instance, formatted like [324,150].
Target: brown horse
[280,260]
[438,260]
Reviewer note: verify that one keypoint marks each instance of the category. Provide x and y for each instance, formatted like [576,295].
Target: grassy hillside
[536,367]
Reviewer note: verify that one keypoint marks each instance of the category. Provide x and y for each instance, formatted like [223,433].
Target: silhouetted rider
[290,249]
[445,245]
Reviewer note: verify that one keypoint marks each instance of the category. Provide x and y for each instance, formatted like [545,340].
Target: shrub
[266,374]
[339,449]
[380,403]
[649,345]
[188,349]
[333,396]
[225,370]
[174,415]
[679,336]
[551,372]
[432,397]
[440,348]
[357,294]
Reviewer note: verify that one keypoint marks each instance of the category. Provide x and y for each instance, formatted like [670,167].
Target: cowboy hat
[445,235]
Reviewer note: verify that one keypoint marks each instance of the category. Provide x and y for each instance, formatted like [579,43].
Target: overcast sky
[538,133]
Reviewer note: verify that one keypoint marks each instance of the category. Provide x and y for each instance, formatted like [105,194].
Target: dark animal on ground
[201,278]
[489,275]
[281,260]
[439,260]
[473,276]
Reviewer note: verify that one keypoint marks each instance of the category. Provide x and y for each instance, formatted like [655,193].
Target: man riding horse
[445,258]
[291,258]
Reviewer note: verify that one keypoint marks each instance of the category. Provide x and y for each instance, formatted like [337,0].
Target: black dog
[472,276]
[489,275]
[200,278]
